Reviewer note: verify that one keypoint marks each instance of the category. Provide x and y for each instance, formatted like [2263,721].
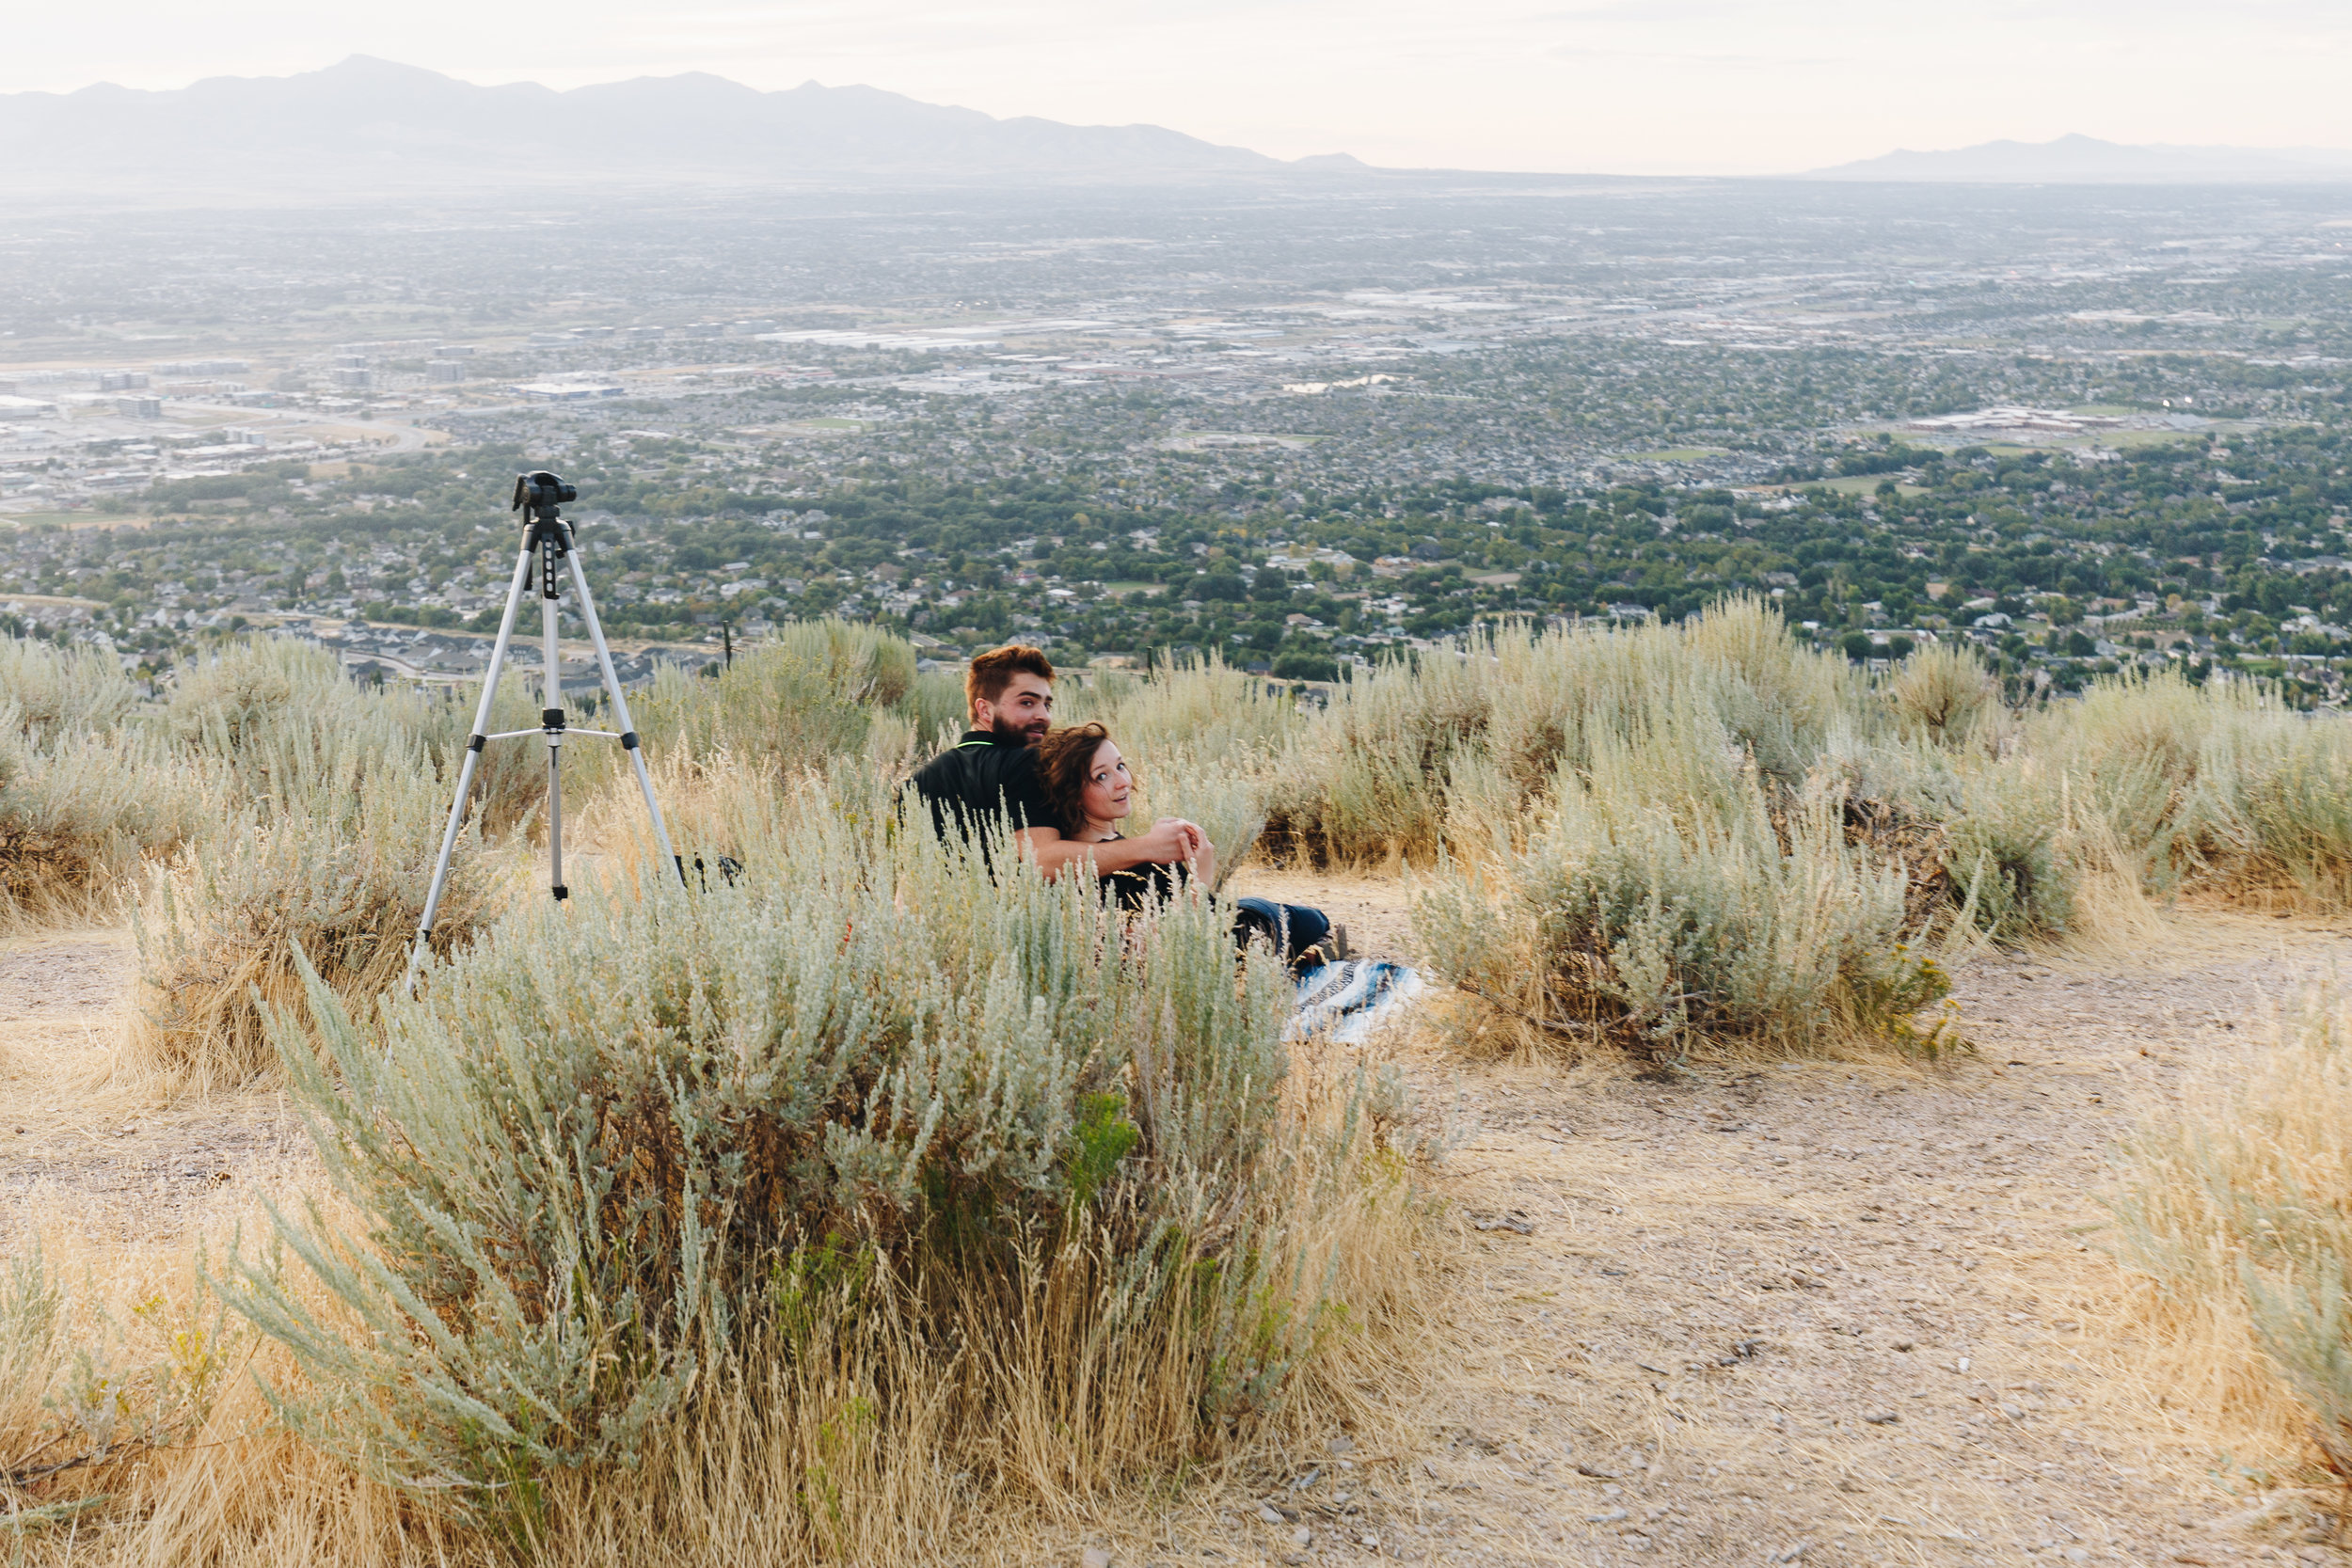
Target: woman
[1087,779]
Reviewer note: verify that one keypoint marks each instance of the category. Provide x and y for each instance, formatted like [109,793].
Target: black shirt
[1145,883]
[977,780]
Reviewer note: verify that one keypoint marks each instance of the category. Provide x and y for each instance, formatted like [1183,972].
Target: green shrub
[1666,894]
[81,812]
[1941,693]
[811,691]
[58,689]
[253,690]
[614,1146]
[335,861]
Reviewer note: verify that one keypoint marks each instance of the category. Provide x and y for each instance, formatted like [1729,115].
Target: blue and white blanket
[1347,999]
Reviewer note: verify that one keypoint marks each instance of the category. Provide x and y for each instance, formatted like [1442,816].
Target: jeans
[1291,930]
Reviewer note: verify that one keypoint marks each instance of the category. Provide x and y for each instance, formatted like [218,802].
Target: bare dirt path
[1830,1312]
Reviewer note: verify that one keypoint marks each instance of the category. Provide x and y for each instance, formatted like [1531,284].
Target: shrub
[657,1141]
[59,689]
[336,862]
[1664,895]
[1941,693]
[1205,712]
[81,813]
[1367,781]
[1371,781]
[253,690]
[810,692]
[2219,788]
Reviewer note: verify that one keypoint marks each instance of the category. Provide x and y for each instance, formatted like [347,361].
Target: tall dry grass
[333,864]
[2232,1204]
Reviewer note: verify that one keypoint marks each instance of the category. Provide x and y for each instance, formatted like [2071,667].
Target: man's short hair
[991,671]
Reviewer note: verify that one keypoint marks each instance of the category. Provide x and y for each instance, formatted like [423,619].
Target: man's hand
[1172,841]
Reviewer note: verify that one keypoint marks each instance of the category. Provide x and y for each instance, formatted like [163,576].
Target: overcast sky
[1611,85]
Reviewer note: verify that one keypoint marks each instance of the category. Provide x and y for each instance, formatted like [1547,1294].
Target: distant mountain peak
[2076,158]
[393,126]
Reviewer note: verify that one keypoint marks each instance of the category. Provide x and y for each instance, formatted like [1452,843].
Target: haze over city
[1683,86]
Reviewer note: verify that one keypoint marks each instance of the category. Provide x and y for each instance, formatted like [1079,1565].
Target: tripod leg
[552,719]
[620,711]
[466,771]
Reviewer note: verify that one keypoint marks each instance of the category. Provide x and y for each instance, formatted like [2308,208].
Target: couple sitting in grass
[1064,792]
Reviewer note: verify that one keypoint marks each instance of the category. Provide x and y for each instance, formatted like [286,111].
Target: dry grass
[335,865]
[2233,1210]
[851,1428]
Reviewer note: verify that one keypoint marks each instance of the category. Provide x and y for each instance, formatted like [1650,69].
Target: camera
[542,492]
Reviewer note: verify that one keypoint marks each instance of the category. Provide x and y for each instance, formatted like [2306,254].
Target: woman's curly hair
[1064,758]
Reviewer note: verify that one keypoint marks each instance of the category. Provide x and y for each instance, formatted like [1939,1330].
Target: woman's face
[1108,785]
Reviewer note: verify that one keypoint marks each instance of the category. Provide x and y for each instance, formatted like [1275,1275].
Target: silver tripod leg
[466,770]
[551,717]
[620,711]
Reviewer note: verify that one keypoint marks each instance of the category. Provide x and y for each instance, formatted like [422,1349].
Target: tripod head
[541,491]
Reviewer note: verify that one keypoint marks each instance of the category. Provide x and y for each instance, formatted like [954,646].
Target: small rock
[1882,1417]
[1267,1514]
[2014,1413]
[1095,1557]
[1302,1536]
[1343,1444]
[1609,1518]
[2078,1554]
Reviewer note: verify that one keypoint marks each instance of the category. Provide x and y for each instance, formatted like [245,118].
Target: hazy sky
[1615,85]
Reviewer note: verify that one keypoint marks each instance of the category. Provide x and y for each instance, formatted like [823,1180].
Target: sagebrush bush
[1941,694]
[610,1146]
[82,812]
[1667,892]
[2219,788]
[255,690]
[812,692]
[1367,781]
[58,689]
[334,862]
[2234,1201]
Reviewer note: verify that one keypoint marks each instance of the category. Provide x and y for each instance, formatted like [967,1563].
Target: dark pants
[1290,930]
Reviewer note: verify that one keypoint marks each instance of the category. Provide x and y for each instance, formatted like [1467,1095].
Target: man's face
[1022,712]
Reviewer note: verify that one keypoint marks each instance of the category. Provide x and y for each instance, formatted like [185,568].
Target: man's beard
[1023,733]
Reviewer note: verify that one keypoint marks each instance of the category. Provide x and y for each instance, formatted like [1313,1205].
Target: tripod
[546,539]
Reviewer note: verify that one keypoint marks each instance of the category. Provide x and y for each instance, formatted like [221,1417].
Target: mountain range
[366,126]
[2087,160]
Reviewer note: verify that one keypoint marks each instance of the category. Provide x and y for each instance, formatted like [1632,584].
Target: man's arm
[1171,841]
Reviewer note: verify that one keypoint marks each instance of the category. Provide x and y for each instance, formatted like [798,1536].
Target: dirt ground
[1836,1312]
[1821,1311]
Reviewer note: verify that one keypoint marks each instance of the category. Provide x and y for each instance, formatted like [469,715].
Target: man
[992,772]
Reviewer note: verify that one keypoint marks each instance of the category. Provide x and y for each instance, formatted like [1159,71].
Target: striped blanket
[1347,999]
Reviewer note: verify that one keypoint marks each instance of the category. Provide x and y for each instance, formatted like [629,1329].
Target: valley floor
[1836,1312]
